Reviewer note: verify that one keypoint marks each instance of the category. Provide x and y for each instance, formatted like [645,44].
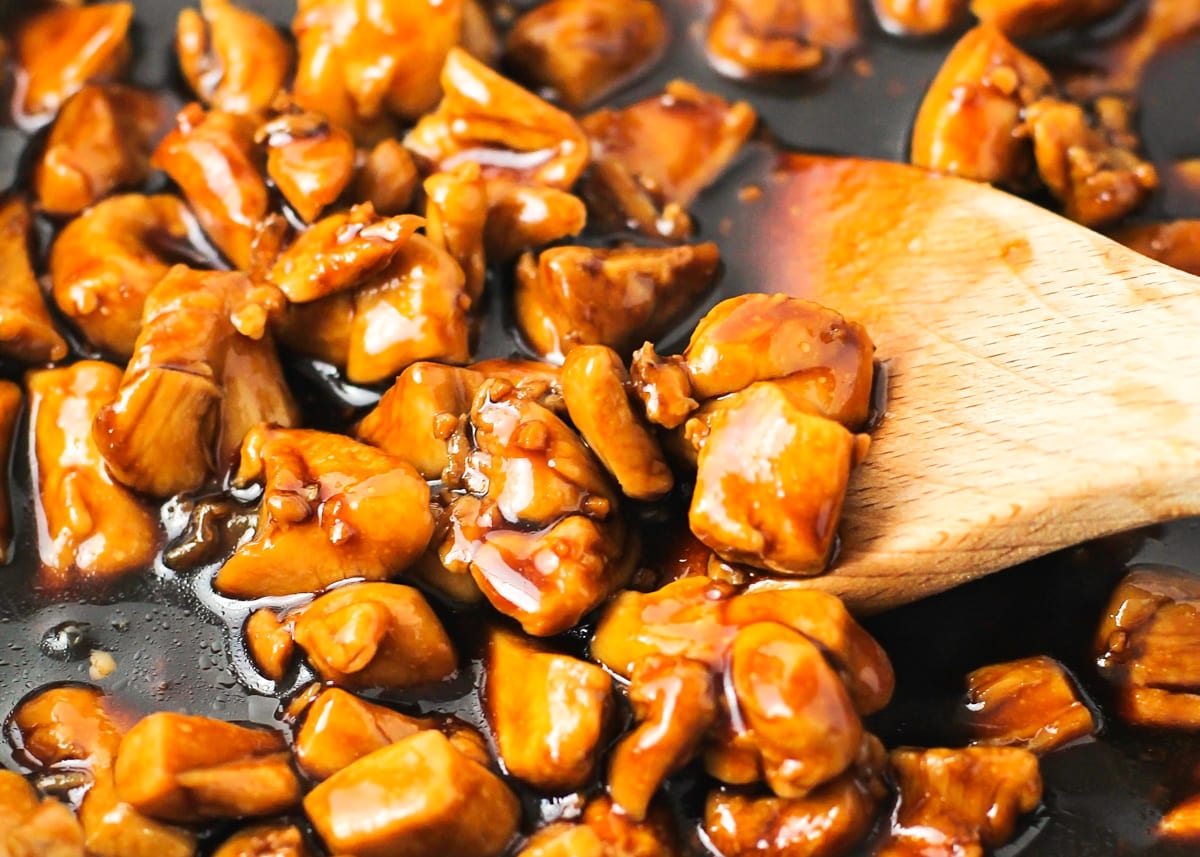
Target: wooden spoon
[1044,381]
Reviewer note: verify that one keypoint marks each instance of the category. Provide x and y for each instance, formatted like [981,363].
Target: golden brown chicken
[920,17]
[265,840]
[27,332]
[339,729]
[769,37]
[1024,18]
[310,160]
[1030,703]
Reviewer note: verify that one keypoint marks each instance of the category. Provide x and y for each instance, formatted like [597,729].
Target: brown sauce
[177,643]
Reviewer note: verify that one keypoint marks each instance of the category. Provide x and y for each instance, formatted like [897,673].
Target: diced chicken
[100,142]
[374,635]
[1175,243]
[507,130]
[269,643]
[596,390]
[62,48]
[332,509]
[920,17]
[956,802]
[640,184]
[254,392]
[106,261]
[1091,166]
[523,215]
[164,430]
[419,797]
[606,831]
[387,179]
[11,401]
[456,212]
[310,160]
[233,59]
[970,122]
[1148,645]
[341,251]
[91,527]
[32,827]
[770,37]
[584,296]
[265,840]
[27,332]
[363,61]
[770,482]
[183,768]
[828,822]
[1181,824]
[584,49]
[1030,703]
[674,701]
[547,711]
[212,157]
[339,729]
[1024,18]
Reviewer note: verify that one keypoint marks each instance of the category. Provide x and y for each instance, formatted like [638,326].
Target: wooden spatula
[1044,381]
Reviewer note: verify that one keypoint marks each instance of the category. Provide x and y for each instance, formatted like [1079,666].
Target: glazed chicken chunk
[339,729]
[1175,243]
[332,509]
[769,37]
[27,332]
[34,827]
[920,17]
[1145,645]
[1021,18]
[584,296]
[605,831]
[91,526]
[182,768]
[265,840]
[100,142]
[548,711]
[970,121]
[310,160]
[374,635]
[1030,703]
[418,797]
[956,802]
[583,49]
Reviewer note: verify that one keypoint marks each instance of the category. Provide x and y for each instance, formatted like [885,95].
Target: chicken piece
[605,831]
[479,37]
[105,262]
[212,157]
[339,729]
[27,332]
[182,768]
[456,212]
[1020,19]
[255,392]
[362,61]
[162,433]
[1031,703]
[1175,243]
[269,643]
[826,360]
[773,37]
[310,160]
[674,702]
[100,142]
[828,822]
[320,329]
[582,50]
[920,17]
[32,827]
[1147,644]
[341,251]
[413,310]
[10,415]
[388,179]
[547,711]
[664,388]
[60,49]
[970,122]
[547,579]
[596,390]
[265,840]
[418,797]
[959,802]
[1092,167]
[770,482]
[585,296]
[640,184]
[416,417]
[1181,824]
[234,60]
[507,130]
[64,726]
[329,512]
[91,527]
[522,216]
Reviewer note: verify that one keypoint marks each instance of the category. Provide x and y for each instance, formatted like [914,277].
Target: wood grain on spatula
[1044,381]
